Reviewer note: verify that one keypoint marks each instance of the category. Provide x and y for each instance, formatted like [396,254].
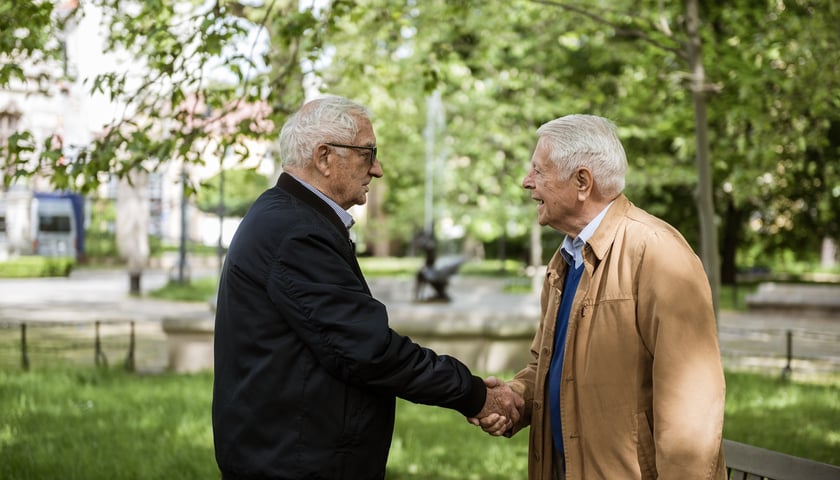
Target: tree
[776,128]
[233,190]
[192,58]
[502,70]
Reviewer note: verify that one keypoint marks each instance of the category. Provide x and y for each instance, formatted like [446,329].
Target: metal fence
[784,349]
[54,343]
[25,344]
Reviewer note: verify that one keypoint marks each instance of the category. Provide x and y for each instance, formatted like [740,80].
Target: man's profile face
[556,197]
[352,170]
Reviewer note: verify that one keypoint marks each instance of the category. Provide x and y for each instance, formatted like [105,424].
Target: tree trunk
[732,224]
[705,203]
[134,283]
[828,253]
[133,225]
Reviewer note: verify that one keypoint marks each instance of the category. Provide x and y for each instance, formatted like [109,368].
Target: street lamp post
[183,268]
[220,251]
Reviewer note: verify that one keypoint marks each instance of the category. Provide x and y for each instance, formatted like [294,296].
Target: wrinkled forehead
[364,134]
[542,154]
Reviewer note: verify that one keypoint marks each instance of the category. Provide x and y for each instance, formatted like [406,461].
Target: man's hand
[502,408]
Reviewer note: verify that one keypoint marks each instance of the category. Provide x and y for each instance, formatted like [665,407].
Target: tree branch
[621,30]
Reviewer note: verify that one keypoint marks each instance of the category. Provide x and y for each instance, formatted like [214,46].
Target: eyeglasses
[358,147]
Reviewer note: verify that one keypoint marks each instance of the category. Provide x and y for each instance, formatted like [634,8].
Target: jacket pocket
[645,448]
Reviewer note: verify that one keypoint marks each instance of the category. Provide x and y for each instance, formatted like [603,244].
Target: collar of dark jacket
[288,183]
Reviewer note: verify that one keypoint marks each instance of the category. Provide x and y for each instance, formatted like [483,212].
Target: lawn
[88,423]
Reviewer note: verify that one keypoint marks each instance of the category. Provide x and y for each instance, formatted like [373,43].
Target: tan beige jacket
[643,390]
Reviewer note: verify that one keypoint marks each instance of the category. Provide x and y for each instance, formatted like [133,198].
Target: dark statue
[433,273]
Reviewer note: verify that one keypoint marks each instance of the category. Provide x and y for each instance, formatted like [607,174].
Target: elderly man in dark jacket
[306,367]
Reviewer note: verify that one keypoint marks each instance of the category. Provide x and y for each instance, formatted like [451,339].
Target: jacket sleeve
[329,307]
[678,326]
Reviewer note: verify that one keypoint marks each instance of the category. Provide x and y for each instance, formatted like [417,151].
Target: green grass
[798,418]
[100,424]
[390,266]
[734,297]
[91,424]
[408,266]
[200,289]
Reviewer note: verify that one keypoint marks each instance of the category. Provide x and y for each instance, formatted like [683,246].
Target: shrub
[36,266]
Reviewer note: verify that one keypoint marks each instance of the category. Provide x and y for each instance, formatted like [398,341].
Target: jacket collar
[599,244]
[602,239]
[288,183]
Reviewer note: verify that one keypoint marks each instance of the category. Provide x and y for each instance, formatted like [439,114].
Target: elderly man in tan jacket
[626,380]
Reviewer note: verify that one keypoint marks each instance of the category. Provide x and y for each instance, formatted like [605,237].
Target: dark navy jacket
[306,367]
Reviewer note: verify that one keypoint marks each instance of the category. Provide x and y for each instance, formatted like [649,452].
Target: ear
[584,183]
[321,159]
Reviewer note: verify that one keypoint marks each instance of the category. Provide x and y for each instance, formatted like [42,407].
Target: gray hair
[325,119]
[588,141]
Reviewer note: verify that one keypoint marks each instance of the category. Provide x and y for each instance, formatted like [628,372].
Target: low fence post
[99,357]
[129,359]
[24,357]
[789,353]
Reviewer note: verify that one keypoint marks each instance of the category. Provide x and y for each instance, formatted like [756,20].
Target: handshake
[502,409]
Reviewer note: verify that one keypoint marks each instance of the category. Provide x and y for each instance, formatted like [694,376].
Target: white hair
[588,141]
[325,119]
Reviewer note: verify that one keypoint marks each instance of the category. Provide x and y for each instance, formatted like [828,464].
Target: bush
[36,266]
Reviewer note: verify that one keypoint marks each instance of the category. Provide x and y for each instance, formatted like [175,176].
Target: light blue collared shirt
[572,249]
[345,217]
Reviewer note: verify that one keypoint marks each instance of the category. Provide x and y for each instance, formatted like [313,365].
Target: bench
[801,298]
[190,342]
[748,462]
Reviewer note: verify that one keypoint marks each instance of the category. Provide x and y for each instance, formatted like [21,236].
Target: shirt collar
[572,249]
[345,217]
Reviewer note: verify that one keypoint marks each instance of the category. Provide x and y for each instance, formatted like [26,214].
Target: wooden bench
[748,462]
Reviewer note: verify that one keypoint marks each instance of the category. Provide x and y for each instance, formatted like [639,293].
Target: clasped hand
[502,408]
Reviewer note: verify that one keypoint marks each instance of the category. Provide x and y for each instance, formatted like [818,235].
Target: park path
[748,340]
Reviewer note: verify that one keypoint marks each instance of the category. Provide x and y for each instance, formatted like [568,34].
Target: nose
[376,169]
[528,181]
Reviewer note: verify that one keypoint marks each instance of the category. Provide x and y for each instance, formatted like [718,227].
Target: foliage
[186,87]
[501,69]
[775,126]
[241,187]
[81,423]
[28,266]
[32,39]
